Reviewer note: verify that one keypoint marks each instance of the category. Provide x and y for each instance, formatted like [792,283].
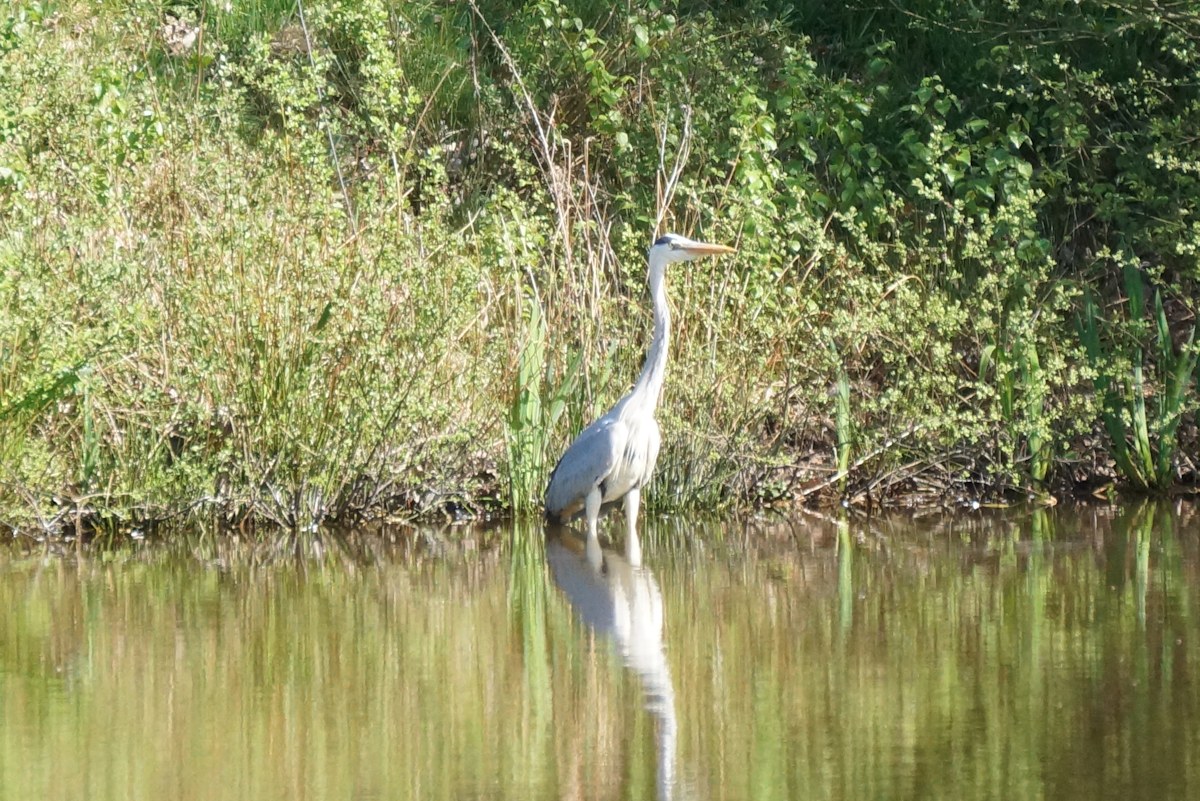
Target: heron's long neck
[654,371]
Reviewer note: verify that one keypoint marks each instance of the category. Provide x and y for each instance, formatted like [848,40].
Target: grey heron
[613,458]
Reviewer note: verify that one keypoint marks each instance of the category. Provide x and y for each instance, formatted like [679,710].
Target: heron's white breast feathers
[616,453]
[637,461]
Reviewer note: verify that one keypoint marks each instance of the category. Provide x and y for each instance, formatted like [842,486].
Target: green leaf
[1016,137]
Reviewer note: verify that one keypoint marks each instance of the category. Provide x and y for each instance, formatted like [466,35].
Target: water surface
[1011,655]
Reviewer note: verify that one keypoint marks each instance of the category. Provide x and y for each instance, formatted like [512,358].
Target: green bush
[396,273]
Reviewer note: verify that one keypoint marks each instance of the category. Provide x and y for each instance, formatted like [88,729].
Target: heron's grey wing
[587,462]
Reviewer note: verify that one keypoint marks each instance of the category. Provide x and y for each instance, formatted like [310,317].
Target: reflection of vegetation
[845,552]
[1057,664]
[432,680]
[964,675]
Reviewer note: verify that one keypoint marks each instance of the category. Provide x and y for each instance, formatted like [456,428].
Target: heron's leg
[633,545]
[591,506]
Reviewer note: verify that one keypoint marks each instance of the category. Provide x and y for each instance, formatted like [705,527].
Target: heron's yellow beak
[706,249]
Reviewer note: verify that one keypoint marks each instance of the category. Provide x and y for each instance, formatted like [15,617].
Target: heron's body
[613,458]
[615,454]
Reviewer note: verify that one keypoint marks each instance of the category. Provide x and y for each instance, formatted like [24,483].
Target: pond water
[1007,655]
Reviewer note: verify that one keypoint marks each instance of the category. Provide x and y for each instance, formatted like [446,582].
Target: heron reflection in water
[622,600]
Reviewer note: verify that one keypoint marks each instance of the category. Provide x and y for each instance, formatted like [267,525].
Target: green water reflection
[1013,656]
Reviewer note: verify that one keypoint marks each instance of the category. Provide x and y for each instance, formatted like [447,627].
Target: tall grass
[1033,382]
[1143,435]
[238,21]
[535,412]
[842,425]
[1015,368]
[271,365]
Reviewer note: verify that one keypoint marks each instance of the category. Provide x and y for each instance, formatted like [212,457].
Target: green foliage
[532,418]
[276,272]
[1143,437]
[842,417]
[210,332]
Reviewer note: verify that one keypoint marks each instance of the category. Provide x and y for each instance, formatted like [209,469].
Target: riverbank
[386,262]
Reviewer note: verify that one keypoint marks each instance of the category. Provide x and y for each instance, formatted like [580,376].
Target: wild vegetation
[380,257]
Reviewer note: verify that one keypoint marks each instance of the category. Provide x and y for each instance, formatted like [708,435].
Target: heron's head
[673,247]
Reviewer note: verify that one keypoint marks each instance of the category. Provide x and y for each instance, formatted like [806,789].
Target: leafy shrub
[293,282]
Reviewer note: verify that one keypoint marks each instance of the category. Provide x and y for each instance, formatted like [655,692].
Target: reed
[842,425]
[1034,395]
[538,405]
[1143,436]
